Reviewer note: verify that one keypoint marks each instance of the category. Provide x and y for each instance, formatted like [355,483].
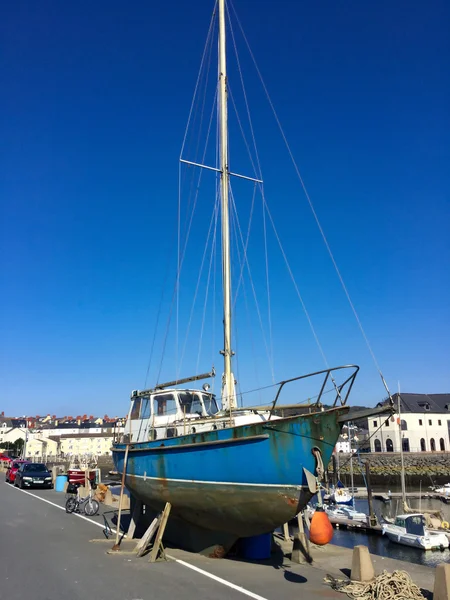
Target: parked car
[33,475]
[12,470]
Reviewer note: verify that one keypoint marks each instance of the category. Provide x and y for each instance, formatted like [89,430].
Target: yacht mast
[228,388]
[402,476]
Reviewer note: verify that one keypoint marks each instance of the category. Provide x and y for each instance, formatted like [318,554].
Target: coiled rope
[386,586]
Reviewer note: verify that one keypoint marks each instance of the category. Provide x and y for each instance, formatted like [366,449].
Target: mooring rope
[386,586]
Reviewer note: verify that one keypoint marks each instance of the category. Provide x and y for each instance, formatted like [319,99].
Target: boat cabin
[168,413]
[413,524]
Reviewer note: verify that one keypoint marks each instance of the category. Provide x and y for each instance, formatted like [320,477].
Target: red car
[12,470]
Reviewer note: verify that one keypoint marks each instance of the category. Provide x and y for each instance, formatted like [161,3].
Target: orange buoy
[321,530]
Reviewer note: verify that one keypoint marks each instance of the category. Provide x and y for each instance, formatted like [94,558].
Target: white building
[424,427]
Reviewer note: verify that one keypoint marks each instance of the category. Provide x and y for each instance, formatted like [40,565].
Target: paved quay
[47,553]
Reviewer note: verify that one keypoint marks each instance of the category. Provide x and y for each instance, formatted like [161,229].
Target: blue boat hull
[244,481]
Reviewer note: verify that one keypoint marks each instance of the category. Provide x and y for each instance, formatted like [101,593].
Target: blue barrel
[61,480]
[257,547]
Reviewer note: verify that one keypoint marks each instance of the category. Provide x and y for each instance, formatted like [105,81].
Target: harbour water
[381,546]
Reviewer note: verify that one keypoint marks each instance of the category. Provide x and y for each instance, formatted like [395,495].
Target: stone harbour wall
[385,467]
[389,463]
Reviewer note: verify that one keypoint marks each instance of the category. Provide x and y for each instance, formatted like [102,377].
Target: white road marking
[60,507]
[219,579]
[238,588]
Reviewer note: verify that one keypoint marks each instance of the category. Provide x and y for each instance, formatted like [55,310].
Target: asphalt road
[46,555]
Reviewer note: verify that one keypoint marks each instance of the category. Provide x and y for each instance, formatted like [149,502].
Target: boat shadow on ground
[277,561]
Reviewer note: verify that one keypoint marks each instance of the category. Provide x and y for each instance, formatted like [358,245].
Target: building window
[439,422]
[377,446]
[430,422]
[389,445]
[387,422]
[423,445]
[420,422]
[404,425]
[442,444]
[432,445]
[405,444]
[375,424]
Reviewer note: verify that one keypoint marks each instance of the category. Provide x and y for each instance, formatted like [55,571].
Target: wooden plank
[142,544]
[157,546]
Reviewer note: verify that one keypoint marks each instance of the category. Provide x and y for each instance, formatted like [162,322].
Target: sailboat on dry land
[239,471]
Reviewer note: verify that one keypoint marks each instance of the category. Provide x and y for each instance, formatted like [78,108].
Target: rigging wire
[209,35]
[249,330]
[183,253]
[245,258]
[314,213]
[208,237]
[211,266]
[206,56]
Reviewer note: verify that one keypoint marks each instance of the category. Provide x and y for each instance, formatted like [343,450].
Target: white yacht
[341,512]
[444,489]
[410,530]
[346,512]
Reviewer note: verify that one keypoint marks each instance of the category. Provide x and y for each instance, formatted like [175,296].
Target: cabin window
[377,446]
[404,425]
[135,409]
[432,445]
[190,403]
[423,445]
[442,444]
[389,445]
[210,404]
[400,522]
[164,404]
[145,408]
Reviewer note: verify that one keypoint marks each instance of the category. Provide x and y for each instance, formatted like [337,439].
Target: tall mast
[402,476]
[228,389]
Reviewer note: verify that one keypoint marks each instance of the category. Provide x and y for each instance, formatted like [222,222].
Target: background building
[425,425]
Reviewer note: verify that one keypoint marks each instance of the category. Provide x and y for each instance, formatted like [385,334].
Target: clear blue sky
[93,107]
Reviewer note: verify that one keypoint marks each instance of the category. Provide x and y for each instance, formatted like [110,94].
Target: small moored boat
[410,530]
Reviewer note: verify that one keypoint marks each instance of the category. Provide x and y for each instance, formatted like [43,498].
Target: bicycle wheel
[91,507]
[71,505]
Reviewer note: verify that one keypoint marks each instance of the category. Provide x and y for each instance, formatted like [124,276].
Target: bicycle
[90,505]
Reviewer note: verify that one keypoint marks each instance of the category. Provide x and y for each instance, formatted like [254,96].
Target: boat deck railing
[341,390]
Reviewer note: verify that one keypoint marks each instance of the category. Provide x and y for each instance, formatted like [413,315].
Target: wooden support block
[145,540]
[300,550]
[158,545]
